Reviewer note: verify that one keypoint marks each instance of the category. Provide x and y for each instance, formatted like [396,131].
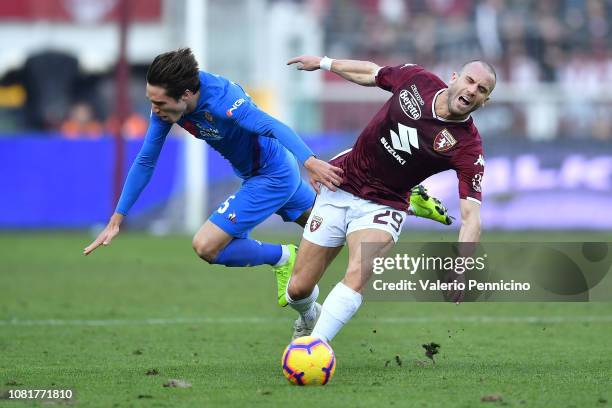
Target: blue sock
[248,252]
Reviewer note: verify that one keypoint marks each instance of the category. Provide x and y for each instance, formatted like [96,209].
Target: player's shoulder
[397,71]
[410,75]
[426,75]
[213,85]
[221,95]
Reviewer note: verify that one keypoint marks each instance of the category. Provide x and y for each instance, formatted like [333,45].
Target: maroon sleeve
[470,171]
[390,78]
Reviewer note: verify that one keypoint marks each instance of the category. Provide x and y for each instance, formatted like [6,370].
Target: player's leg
[296,209]
[216,246]
[345,298]
[302,291]
[372,230]
[324,237]
[223,239]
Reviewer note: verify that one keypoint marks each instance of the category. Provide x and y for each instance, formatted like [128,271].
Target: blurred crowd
[567,43]
[50,93]
[527,40]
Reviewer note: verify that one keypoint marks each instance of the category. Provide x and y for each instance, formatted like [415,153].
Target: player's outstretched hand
[306,62]
[107,235]
[320,171]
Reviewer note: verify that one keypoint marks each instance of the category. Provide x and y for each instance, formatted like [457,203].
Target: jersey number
[225,204]
[395,222]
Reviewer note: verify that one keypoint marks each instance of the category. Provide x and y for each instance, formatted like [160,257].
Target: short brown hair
[176,72]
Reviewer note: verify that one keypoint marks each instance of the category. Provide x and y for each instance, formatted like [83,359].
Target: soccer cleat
[302,327]
[283,274]
[425,206]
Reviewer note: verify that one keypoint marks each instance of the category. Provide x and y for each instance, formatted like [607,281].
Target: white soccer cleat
[303,327]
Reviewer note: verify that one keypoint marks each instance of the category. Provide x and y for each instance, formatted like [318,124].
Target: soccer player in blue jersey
[261,150]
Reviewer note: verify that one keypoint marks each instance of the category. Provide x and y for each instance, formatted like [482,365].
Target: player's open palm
[322,172]
[107,234]
[306,62]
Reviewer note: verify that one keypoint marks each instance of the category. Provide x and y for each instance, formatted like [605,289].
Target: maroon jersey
[406,142]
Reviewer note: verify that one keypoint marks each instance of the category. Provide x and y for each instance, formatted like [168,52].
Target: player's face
[469,90]
[168,109]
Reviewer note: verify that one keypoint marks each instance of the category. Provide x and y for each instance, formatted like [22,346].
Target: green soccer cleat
[425,206]
[283,274]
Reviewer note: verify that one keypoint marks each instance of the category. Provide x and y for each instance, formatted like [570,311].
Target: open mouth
[464,101]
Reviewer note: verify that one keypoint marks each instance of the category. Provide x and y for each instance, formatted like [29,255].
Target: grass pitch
[115,326]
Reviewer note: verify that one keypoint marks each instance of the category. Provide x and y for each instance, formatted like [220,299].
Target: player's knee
[204,249]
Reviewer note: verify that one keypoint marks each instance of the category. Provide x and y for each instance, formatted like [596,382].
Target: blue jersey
[225,117]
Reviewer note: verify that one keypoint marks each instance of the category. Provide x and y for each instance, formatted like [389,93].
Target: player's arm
[256,121]
[138,177]
[469,236]
[470,165]
[470,221]
[359,72]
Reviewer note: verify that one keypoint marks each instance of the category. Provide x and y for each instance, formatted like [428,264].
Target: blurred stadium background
[73,111]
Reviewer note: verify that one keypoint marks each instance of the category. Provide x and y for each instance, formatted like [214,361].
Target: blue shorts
[281,192]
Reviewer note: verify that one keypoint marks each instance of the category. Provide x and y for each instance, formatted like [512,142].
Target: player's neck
[192,102]
[441,108]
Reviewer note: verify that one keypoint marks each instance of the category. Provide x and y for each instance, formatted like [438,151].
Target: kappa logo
[409,104]
[315,223]
[209,117]
[232,217]
[480,161]
[444,141]
[235,106]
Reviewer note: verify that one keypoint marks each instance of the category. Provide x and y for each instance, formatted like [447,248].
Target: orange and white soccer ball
[309,361]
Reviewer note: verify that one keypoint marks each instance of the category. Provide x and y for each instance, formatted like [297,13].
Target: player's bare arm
[106,236]
[322,172]
[470,221]
[359,72]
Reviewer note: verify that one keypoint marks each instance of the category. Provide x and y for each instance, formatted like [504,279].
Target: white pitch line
[366,320]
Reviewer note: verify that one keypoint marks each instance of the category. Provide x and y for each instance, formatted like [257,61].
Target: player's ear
[185,96]
[454,77]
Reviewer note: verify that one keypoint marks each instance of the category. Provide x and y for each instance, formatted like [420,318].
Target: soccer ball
[309,361]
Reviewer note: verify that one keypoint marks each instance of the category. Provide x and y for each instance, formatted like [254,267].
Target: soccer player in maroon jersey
[423,129]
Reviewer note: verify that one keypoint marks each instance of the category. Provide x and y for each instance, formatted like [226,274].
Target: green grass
[102,344]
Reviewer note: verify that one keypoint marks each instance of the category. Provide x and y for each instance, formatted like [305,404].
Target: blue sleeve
[142,169]
[251,118]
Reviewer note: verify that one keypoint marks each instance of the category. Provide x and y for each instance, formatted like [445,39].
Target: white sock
[305,307]
[284,256]
[338,308]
